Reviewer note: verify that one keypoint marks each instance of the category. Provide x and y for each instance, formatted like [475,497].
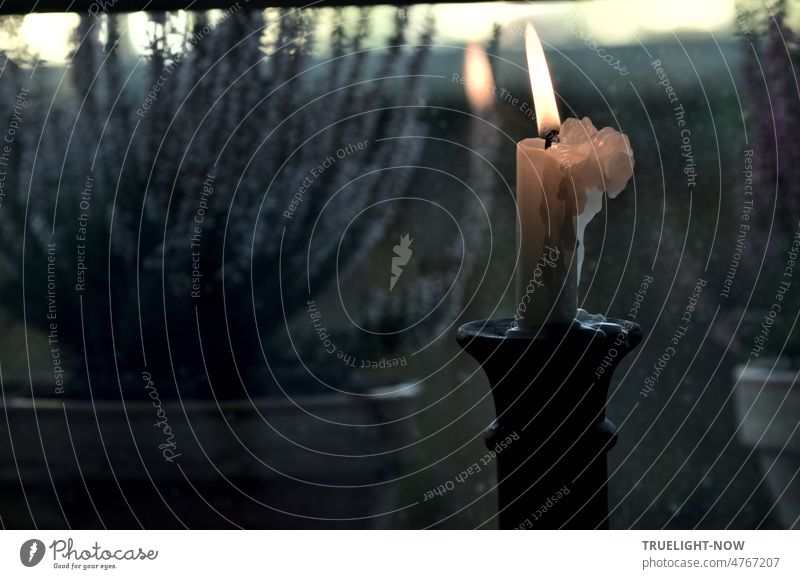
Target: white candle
[546,276]
[553,185]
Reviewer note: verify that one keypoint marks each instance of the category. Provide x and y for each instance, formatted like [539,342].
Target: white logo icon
[31,553]
[402,254]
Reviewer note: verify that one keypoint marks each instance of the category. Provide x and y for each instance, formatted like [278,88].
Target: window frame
[107,6]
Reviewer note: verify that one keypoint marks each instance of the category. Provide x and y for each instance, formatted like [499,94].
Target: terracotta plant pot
[326,457]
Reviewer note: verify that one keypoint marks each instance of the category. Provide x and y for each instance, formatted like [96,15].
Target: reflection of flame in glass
[544,98]
[478,79]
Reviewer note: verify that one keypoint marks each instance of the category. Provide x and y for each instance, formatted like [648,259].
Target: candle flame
[544,98]
[478,79]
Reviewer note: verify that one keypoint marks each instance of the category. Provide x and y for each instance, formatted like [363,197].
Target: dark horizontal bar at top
[100,6]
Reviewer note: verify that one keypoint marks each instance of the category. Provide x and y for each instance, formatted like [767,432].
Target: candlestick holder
[551,434]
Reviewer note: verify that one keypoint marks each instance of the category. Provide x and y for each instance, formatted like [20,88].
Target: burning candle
[561,178]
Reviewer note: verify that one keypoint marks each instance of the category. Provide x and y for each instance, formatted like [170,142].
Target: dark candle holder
[551,434]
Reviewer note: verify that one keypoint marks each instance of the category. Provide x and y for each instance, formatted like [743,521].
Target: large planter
[309,462]
[768,412]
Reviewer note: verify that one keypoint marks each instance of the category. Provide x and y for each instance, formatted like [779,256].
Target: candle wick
[550,137]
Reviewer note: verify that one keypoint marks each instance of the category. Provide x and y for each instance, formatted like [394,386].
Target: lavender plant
[771,52]
[158,197]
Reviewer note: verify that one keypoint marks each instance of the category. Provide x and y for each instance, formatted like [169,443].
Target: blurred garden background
[199,212]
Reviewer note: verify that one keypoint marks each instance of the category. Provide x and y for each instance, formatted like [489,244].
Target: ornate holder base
[551,434]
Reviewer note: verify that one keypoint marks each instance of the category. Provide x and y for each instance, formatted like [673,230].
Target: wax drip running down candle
[561,179]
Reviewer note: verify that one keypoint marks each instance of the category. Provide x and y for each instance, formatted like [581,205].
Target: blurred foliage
[771,100]
[238,104]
